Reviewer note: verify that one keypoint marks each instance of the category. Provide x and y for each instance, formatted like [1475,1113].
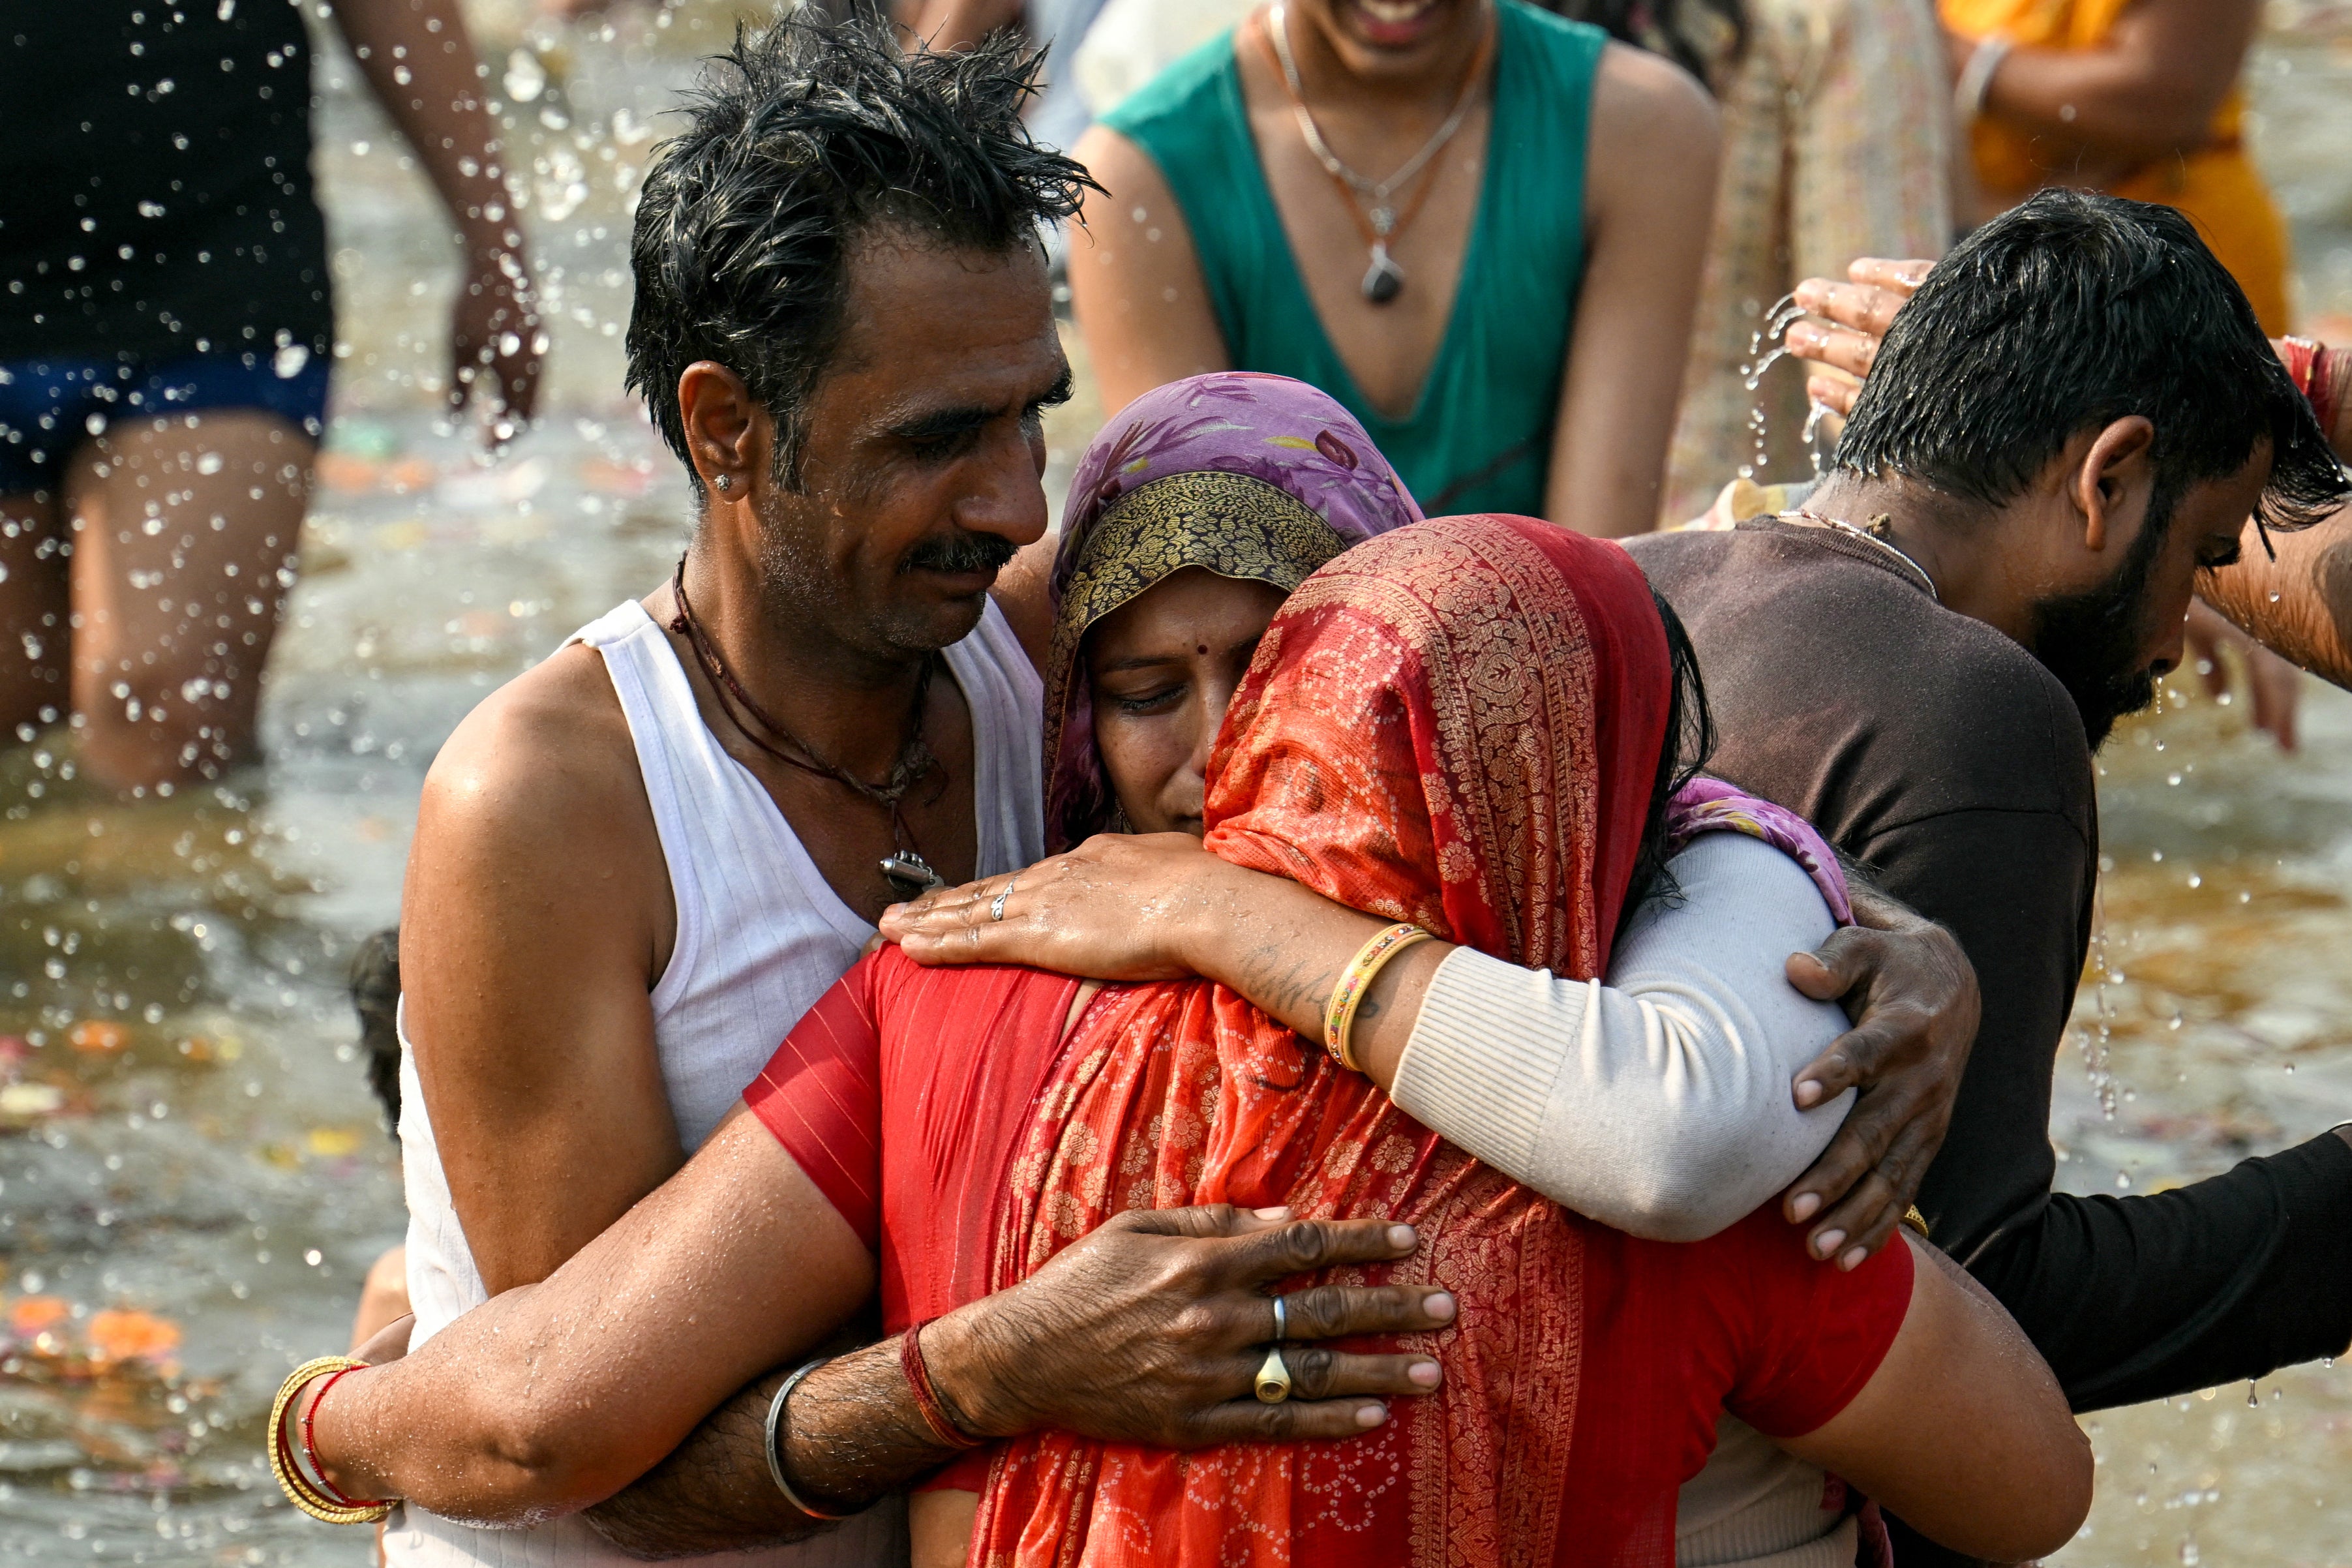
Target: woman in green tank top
[1477,225]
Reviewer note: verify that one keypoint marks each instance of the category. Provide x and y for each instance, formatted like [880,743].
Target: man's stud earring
[724,482]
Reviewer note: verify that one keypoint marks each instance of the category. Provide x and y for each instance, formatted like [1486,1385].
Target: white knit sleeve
[1658,1103]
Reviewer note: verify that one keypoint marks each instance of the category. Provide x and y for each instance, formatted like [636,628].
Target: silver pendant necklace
[1874,534]
[1383,279]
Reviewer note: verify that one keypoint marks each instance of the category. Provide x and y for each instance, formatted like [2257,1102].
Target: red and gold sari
[1456,724]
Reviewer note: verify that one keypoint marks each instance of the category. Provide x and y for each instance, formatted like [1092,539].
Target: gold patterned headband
[1228,523]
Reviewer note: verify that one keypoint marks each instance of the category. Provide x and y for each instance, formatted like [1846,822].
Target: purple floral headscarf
[1711,805]
[1271,479]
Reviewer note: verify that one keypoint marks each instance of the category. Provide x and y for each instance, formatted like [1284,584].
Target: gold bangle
[296,1486]
[1339,1013]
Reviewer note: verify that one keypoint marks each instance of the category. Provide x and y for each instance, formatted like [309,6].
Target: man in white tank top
[638,864]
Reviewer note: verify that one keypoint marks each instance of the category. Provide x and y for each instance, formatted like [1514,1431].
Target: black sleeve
[2129,1299]
[2015,888]
[2141,1297]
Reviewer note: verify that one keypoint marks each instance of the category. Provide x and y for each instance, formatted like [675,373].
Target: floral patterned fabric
[1248,476]
[1710,806]
[1457,724]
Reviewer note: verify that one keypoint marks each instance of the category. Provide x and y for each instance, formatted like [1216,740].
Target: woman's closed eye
[1160,697]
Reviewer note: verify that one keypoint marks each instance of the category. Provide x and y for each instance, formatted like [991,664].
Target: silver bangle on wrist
[776,1453]
[1976,77]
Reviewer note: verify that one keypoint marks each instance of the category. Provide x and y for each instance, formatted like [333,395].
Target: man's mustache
[960,552]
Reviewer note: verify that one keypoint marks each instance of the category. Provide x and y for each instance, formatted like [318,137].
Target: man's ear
[728,433]
[2115,463]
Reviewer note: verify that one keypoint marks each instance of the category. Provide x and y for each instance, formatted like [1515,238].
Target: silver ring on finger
[1274,1377]
[996,908]
[1281,1320]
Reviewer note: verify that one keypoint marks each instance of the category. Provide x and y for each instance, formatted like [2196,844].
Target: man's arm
[552,1397]
[1649,208]
[534,921]
[1107,1340]
[2299,605]
[1912,993]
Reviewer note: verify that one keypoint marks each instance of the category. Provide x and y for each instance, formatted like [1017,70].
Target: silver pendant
[1383,280]
[910,875]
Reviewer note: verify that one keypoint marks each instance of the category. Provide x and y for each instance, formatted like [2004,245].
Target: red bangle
[2318,372]
[927,1397]
[310,1447]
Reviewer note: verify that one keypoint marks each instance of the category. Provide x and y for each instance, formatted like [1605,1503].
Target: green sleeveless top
[1479,439]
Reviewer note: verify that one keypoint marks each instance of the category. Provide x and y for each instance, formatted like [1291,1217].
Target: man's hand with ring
[1154,1329]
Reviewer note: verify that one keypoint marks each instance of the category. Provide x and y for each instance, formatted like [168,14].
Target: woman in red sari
[1457,725]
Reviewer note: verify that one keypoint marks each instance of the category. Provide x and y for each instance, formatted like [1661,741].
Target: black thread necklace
[907,872]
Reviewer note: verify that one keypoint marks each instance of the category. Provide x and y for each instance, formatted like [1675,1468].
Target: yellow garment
[2217,187]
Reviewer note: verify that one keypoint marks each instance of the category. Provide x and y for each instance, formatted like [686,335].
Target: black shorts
[49,407]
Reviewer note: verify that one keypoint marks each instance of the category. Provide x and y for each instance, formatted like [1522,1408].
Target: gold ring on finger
[1274,1377]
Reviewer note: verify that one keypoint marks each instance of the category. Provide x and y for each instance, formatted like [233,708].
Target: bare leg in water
[151,602]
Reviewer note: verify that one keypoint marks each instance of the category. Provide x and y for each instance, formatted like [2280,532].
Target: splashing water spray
[1760,359]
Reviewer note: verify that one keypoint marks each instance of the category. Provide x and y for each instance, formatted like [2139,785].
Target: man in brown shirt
[2074,414]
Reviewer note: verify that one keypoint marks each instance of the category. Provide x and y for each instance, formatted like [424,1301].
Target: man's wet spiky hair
[802,136]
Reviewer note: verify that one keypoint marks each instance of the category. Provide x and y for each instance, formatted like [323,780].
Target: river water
[194,1177]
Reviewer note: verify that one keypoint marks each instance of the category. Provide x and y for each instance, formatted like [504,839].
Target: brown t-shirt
[1943,756]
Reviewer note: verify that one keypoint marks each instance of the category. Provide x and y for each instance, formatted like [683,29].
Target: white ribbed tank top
[760,936]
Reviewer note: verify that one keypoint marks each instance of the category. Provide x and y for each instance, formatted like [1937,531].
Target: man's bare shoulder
[543,763]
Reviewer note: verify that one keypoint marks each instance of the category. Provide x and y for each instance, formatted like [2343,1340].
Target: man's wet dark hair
[2063,315]
[802,137]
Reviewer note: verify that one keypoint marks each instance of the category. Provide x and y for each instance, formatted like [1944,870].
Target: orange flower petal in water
[30,1315]
[121,1335]
[97,1038]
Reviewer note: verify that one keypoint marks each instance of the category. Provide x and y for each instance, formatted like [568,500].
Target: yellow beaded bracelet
[298,1486]
[1339,1013]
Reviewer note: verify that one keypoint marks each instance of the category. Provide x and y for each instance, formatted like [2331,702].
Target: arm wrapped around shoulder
[1961,1430]
[1659,1102]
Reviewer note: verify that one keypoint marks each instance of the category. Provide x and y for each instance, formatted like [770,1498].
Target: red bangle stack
[2318,372]
[310,1448]
[927,1397]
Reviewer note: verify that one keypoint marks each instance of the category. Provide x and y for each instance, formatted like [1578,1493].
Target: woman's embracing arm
[1676,1064]
[1657,1103]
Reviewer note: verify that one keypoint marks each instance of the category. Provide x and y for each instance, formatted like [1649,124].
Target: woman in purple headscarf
[1194,513]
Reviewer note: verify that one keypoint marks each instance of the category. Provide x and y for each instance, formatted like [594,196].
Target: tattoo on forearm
[851,1436]
[1281,981]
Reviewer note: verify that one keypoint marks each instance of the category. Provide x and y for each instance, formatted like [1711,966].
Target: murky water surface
[193,1178]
